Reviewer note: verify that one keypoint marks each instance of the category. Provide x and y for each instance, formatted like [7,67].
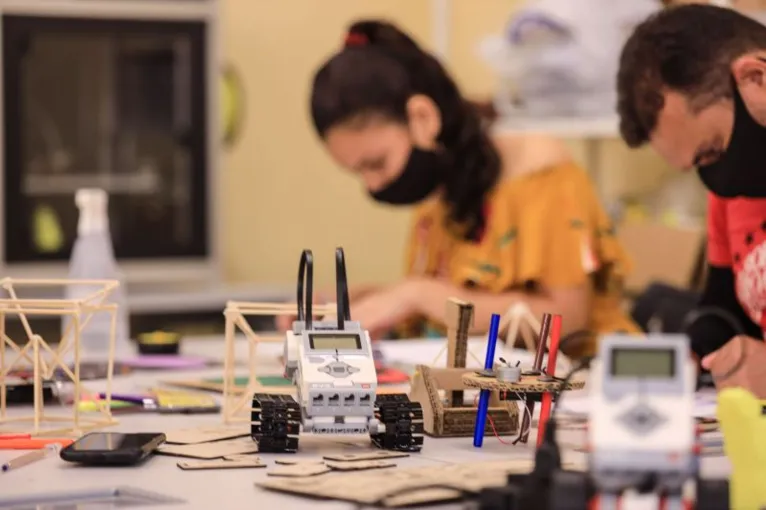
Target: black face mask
[740,171]
[422,174]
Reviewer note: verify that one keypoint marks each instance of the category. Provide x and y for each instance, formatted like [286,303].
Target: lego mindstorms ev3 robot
[331,363]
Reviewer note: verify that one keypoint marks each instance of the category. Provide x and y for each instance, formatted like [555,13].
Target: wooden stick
[537,367]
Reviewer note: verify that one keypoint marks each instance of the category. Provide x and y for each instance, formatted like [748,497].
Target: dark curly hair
[688,49]
[376,73]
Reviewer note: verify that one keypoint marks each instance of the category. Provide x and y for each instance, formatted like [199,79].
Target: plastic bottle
[93,259]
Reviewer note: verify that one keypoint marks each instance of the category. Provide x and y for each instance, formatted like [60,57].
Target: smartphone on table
[112,448]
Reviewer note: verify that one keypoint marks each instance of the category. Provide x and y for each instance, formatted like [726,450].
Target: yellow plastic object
[232,105]
[159,338]
[47,230]
[744,434]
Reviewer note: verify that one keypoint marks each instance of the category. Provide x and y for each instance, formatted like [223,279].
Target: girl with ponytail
[498,220]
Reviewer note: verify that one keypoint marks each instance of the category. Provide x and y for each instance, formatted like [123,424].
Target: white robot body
[335,375]
[642,418]
[332,366]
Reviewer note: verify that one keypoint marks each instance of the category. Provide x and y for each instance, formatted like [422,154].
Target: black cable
[341,289]
[731,320]
[306,283]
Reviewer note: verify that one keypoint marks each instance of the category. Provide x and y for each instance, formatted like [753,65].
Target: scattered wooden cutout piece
[351,457]
[221,464]
[241,456]
[359,465]
[293,462]
[299,470]
[216,450]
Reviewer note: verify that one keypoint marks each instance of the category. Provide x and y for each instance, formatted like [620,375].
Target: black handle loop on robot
[341,289]
[305,299]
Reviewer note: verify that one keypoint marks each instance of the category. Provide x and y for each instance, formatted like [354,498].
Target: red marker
[32,444]
[545,408]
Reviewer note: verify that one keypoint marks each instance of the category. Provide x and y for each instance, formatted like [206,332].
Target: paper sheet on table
[704,405]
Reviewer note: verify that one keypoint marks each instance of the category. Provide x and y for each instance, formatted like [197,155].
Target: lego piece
[359,465]
[333,366]
[744,430]
[221,464]
[642,415]
[353,457]
[299,470]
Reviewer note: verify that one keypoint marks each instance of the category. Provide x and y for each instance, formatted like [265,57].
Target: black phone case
[124,457]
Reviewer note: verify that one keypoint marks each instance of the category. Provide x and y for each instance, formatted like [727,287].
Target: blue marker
[489,361]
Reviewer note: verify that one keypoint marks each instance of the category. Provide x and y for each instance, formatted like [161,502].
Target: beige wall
[277,178]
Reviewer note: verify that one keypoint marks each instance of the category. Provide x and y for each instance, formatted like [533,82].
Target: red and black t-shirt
[737,240]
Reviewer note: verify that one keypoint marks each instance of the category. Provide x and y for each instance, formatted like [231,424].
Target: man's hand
[741,362]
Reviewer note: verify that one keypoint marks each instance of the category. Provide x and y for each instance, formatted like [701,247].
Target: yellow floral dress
[545,228]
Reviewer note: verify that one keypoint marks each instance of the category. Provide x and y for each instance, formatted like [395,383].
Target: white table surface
[235,489]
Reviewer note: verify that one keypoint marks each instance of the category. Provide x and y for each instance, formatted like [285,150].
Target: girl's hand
[381,311]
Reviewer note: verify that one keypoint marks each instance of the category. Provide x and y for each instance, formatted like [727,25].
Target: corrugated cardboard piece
[215,450]
[399,487]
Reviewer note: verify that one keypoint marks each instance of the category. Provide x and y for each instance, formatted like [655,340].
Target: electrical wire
[306,288]
[341,289]
[525,414]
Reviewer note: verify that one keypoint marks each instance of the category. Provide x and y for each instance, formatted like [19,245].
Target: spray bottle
[93,259]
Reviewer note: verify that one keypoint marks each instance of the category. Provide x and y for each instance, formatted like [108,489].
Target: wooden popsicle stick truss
[520,321]
[237,403]
[36,355]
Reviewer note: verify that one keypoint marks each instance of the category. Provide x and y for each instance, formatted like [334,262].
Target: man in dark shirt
[692,84]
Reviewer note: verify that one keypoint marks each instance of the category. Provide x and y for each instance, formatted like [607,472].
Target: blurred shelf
[561,127]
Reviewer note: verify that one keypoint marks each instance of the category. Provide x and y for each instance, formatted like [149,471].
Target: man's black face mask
[741,170]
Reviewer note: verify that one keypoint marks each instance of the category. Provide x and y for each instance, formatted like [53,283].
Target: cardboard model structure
[729,369]
[34,354]
[406,487]
[440,391]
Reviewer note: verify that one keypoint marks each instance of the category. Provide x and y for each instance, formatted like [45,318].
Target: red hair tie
[356,39]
